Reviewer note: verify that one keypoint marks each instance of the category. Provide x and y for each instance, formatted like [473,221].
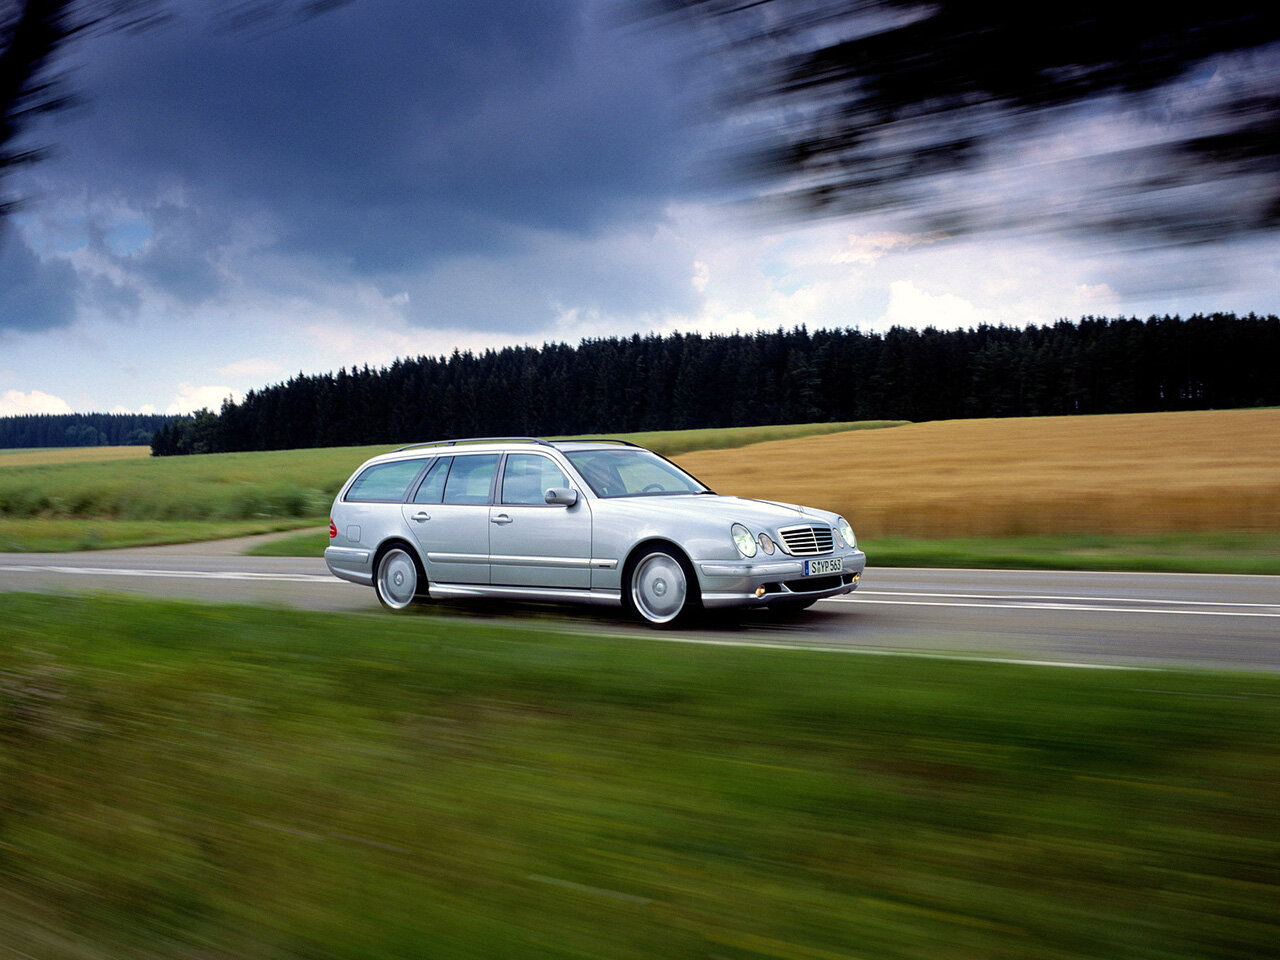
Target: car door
[533,543]
[449,516]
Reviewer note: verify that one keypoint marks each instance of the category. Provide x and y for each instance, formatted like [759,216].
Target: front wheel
[396,579]
[661,587]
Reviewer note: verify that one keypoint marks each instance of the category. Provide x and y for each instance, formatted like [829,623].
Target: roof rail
[452,443]
[626,443]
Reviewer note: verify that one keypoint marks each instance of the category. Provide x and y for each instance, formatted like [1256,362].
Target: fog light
[759,591]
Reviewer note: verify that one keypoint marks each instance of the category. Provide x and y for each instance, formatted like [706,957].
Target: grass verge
[178,780]
[309,544]
[61,534]
[1162,553]
[1167,553]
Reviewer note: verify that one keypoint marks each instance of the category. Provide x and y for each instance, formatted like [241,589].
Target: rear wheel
[660,587]
[398,578]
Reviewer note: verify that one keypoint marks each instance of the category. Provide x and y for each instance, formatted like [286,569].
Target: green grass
[61,534]
[309,544]
[1160,553]
[187,781]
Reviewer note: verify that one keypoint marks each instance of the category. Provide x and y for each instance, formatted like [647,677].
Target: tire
[398,578]
[660,587]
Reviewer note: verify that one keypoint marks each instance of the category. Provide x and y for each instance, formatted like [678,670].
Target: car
[599,521]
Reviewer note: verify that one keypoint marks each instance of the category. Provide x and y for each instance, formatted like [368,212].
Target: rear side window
[431,490]
[384,482]
[470,479]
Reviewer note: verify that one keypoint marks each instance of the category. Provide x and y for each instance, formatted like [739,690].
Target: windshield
[631,473]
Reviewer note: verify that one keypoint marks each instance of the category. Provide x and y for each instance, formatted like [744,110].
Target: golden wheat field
[1123,474]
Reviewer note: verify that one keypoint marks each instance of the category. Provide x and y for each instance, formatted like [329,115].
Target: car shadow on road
[818,619]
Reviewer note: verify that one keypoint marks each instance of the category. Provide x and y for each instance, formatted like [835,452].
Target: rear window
[384,482]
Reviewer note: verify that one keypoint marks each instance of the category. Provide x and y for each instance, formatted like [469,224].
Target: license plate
[815,568]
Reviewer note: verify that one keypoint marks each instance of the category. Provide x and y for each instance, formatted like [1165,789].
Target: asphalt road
[1085,619]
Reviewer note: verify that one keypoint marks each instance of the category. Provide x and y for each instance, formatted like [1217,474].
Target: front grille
[806,541]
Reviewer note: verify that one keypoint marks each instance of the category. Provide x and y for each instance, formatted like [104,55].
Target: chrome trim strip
[575,563]
[729,569]
[480,558]
[463,591]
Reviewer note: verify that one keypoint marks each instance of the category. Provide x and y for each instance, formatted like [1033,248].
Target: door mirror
[562,495]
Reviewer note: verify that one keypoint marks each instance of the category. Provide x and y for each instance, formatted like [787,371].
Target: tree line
[79,429]
[620,385]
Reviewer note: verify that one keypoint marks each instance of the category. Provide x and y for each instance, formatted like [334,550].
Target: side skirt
[443,591]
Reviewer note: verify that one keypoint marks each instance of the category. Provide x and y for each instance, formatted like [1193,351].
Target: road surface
[1096,619]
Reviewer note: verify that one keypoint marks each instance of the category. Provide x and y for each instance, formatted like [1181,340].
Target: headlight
[766,544]
[745,541]
[846,531]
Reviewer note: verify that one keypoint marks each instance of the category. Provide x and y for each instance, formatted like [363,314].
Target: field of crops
[1210,472]
[1132,474]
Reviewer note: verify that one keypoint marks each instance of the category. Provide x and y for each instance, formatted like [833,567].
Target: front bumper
[735,583]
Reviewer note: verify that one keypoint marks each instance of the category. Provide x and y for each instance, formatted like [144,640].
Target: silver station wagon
[594,521]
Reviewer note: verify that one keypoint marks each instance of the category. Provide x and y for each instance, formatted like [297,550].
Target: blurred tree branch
[931,110]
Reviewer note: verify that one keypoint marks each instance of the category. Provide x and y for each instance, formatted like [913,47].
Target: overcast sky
[401,178]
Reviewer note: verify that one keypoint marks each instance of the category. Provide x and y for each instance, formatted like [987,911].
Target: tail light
[333,529]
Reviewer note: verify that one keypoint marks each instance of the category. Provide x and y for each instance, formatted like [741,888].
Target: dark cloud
[381,136]
[35,294]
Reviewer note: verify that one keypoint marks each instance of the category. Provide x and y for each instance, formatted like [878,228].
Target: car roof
[438,448]
[505,442]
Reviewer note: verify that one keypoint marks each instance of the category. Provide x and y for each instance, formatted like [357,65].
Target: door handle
[500,518]
[421,516]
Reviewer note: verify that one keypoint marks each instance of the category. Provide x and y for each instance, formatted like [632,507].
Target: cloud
[379,142]
[701,276]
[35,294]
[15,403]
[191,398]
[867,248]
[909,306]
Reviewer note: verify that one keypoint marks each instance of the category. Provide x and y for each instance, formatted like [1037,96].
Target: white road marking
[1090,608]
[1052,597]
[174,574]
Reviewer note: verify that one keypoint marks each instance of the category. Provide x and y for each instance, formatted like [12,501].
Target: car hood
[756,514]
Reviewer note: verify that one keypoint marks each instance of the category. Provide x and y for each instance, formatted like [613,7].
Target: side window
[431,490]
[469,479]
[527,477]
[384,482]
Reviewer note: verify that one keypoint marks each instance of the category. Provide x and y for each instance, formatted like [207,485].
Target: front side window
[528,476]
[384,482]
[631,473]
[470,479]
